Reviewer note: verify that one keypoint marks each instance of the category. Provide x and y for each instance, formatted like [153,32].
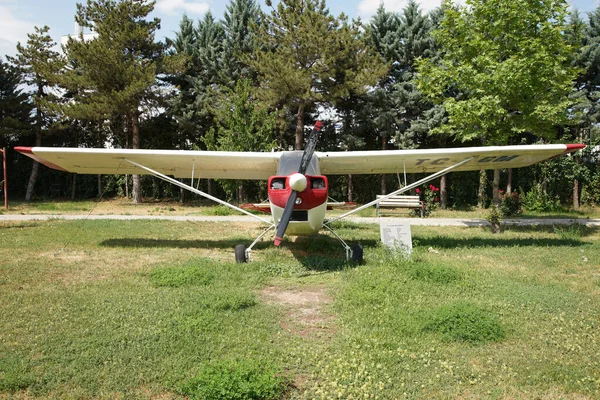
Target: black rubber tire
[240,254]
[357,254]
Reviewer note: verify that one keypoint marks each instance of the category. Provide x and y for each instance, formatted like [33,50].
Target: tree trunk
[209,190]
[99,186]
[36,165]
[73,186]
[136,192]
[575,194]
[127,186]
[443,193]
[481,190]
[509,183]
[300,128]
[496,187]
[350,188]
[181,195]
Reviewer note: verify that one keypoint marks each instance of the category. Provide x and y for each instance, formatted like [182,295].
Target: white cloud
[368,8]
[12,30]
[173,7]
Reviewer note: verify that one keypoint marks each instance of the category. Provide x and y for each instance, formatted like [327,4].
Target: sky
[18,17]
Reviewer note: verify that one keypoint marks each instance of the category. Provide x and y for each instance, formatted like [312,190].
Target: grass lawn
[164,207]
[158,309]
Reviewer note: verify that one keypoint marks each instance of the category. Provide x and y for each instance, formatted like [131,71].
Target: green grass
[142,309]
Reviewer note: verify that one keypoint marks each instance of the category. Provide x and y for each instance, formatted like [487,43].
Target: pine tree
[397,110]
[14,105]
[304,55]
[38,65]
[116,73]
[241,19]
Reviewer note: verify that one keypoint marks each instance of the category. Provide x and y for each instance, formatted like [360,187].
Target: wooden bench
[400,201]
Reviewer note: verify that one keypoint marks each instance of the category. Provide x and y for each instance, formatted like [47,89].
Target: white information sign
[396,234]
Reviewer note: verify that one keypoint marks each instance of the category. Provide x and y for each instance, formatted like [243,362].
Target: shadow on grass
[323,253]
[450,243]
[316,253]
[180,243]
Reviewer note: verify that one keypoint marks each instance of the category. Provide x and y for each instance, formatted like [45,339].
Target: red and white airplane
[298,185]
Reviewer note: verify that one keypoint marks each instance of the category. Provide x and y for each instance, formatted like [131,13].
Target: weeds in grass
[436,273]
[219,210]
[465,322]
[15,374]
[236,380]
[349,376]
[186,275]
[570,232]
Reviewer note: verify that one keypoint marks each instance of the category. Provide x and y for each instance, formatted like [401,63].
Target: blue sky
[18,17]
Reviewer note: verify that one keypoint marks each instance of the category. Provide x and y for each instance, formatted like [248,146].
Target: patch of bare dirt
[305,314]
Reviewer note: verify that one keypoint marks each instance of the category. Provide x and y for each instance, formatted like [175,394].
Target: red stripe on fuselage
[311,197]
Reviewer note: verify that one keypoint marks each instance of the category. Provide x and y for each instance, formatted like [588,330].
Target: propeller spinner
[297,182]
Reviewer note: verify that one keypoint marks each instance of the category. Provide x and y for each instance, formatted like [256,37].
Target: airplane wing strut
[198,192]
[402,190]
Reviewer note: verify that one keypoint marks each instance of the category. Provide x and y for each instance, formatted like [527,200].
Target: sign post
[396,234]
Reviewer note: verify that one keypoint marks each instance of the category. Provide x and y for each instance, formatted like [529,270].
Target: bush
[431,200]
[467,323]
[511,204]
[537,200]
[236,380]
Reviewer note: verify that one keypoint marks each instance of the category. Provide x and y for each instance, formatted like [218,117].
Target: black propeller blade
[309,149]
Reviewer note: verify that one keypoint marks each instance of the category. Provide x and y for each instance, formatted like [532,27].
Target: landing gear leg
[242,254]
[354,253]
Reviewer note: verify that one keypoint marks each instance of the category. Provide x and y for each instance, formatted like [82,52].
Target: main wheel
[240,254]
[357,253]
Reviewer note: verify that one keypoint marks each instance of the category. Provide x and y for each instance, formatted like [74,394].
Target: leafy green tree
[242,125]
[116,72]
[305,56]
[14,105]
[511,62]
[38,65]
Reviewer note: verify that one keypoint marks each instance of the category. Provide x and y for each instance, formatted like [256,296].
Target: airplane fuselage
[311,203]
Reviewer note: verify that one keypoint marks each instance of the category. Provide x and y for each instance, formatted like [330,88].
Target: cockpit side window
[278,183]
[317,183]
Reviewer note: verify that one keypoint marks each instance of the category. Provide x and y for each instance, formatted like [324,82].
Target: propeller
[309,149]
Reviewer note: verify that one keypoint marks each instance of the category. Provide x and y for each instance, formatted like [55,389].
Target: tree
[14,104]
[38,65]
[115,73]
[242,125]
[242,18]
[304,56]
[511,61]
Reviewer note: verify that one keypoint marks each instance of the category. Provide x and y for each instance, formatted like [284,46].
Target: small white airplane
[297,181]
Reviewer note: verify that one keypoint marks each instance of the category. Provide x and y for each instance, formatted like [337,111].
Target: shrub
[538,200]
[511,204]
[465,322]
[236,380]
[431,200]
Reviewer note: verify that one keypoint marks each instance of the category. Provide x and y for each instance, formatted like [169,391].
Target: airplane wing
[433,160]
[257,165]
[177,163]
